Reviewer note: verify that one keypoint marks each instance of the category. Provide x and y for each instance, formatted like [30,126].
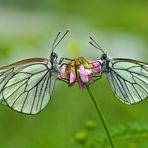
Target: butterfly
[26,86]
[128,78]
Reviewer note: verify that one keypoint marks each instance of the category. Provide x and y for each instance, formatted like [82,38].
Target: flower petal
[62,72]
[72,78]
[96,66]
[90,79]
[81,84]
[84,78]
[84,71]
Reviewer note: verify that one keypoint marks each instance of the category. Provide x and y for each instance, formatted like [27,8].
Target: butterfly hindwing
[129,80]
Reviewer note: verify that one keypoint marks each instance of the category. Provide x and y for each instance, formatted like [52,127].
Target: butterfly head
[53,56]
[104,56]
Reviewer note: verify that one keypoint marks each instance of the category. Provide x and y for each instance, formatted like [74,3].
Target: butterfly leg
[62,59]
[97,77]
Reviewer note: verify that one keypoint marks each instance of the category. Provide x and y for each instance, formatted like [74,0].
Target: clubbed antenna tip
[95,44]
[56,42]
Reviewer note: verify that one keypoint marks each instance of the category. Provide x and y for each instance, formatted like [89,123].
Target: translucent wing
[30,85]
[5,75]
[129,80]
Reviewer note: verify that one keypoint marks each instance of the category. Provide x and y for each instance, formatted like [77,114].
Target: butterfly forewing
[5,75]
[30,86]
[128,79]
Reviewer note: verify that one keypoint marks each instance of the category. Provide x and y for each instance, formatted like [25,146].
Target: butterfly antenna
[56,43]
[53,45]
[95,44]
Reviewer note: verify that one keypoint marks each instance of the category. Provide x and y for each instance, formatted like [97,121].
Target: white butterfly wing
[5,75]
[30,87]
[129,80]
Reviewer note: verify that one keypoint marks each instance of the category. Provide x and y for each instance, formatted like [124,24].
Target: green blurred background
[28,29]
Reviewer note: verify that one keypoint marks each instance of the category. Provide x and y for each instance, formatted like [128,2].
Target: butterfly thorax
[53,61]
[105,64]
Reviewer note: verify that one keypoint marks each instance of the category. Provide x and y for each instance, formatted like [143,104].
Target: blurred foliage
[24,33]
[133,135]
[116,15]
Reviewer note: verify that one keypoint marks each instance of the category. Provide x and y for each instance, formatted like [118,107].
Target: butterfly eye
[104,56]
[54,56]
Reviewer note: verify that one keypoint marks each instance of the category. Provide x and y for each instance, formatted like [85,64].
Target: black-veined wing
[5,75]
[30,87]
[128,79]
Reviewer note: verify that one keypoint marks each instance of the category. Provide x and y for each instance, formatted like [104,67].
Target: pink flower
[67,74]
[61,74]
[80,70]
[84,74]
[96,66]
[72,77]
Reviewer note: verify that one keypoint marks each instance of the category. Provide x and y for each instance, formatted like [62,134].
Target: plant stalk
[101,116]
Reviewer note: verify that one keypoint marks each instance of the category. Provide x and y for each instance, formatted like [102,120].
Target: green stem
[101,116]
